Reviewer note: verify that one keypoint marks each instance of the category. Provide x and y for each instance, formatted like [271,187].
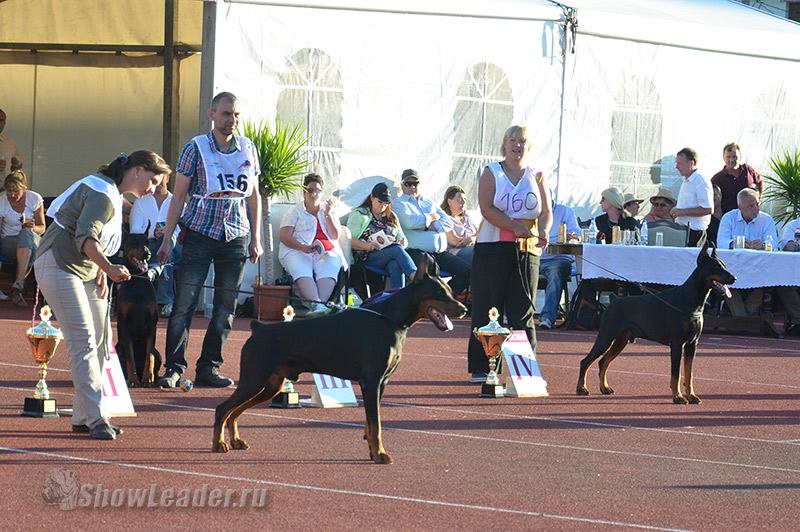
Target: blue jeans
[165,286]
[199,252]
[395,260]
[556,270]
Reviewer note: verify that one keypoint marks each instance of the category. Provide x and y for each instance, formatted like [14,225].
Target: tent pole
[171,84]
[570,19]
[207,58]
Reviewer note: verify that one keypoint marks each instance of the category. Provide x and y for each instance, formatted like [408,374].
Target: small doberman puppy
[673,317]
[363,344]
[137,315]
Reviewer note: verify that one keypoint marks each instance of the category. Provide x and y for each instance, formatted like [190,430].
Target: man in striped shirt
[221,225]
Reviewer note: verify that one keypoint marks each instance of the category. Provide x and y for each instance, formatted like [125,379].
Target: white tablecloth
[672,266]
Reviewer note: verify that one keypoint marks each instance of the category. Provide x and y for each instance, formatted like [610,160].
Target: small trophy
[287,397]
[44,339]
[491,336]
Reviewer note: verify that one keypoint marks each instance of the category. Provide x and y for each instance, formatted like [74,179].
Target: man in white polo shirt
[695,199]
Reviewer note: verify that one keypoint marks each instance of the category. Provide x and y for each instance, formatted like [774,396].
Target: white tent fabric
[385,85]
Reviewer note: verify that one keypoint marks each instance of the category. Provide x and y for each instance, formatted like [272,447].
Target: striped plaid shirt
[218,219]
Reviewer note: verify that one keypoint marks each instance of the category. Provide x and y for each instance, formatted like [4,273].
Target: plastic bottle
[593,233]
[643,234]
[768,243]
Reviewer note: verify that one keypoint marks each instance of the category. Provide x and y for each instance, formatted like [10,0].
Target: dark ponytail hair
[147,159]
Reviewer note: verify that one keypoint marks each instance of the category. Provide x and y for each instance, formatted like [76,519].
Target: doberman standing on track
[673,317]
[363,345]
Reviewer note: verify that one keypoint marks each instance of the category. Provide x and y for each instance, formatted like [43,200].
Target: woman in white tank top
[516,208]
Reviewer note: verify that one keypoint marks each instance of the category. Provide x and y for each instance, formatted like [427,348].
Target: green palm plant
[784,185]
[282,163]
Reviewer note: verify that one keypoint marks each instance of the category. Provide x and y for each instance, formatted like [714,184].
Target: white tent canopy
[384,85]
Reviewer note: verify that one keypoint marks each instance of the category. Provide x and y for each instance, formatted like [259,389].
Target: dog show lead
[515,204]
[72,266]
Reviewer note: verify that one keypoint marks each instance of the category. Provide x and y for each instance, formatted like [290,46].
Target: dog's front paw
[240,445]
[607,390]
[382,458]
[582,390]
[679,400]
[694,400]
[219,447]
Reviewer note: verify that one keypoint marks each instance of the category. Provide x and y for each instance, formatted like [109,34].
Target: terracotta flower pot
[270,301]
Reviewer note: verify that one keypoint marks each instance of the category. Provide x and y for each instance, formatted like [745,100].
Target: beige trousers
[83,318]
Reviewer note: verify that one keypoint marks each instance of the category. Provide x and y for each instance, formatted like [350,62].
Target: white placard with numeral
[331,392]
[524,377]
[116,401]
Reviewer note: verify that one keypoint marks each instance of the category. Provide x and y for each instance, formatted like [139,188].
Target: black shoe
[103,432]
[84,429]
[169,380]
[213,379]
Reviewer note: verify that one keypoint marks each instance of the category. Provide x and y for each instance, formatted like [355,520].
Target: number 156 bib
[228,174]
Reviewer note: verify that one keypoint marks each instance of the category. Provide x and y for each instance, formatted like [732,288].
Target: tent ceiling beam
[180,49]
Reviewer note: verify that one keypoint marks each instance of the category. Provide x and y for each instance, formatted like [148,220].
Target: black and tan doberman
[363,345]
[137,315]
[673,317]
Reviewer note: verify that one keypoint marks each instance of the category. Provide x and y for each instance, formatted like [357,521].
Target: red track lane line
[520,442]
[309,487]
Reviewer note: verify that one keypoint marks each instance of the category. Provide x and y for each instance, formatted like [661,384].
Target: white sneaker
[3,297]
[318,310]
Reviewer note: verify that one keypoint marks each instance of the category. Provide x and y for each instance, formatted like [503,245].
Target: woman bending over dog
[72,269]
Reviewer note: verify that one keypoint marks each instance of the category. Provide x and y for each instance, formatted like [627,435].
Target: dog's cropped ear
[703,255]
[426,265]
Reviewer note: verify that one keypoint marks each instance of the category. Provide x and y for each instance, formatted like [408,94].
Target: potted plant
[281,163]
[784,186]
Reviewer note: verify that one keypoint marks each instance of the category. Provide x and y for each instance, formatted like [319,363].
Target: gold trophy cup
[287,397]
[491,336]
[44,339]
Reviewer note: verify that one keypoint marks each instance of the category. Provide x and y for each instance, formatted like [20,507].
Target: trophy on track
[491,336]
[44,339]
[287,397]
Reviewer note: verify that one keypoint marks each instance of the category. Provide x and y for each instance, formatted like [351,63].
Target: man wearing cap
[426,225]
[695,199]
[661,203]
[632,204]
[614,214]
[10,159]
[735,176]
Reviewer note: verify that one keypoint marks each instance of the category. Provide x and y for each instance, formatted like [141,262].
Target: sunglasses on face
[411,184]
[660,204]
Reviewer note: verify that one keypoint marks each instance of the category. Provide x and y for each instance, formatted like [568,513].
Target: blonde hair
[522,131]
[16,179]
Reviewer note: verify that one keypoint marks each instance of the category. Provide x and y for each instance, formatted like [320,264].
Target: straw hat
[630,198]
[614,197]
[666,194]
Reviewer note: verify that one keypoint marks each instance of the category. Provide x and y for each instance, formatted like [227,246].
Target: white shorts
[314,265]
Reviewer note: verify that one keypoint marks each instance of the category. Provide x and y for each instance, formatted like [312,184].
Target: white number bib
[228,174]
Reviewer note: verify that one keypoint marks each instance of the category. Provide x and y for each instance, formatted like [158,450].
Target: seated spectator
[366,223]
[612,202]
[556,268]
[149,213]
[21,227]
[461,238]
[661,203]
[790,295]
[755,226]
[426,227]
[632,204]
[713,226]
[309,246]
[735,176]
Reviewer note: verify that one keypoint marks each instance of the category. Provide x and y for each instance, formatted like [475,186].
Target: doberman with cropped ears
[673,317]
[137,314]
[360,344]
